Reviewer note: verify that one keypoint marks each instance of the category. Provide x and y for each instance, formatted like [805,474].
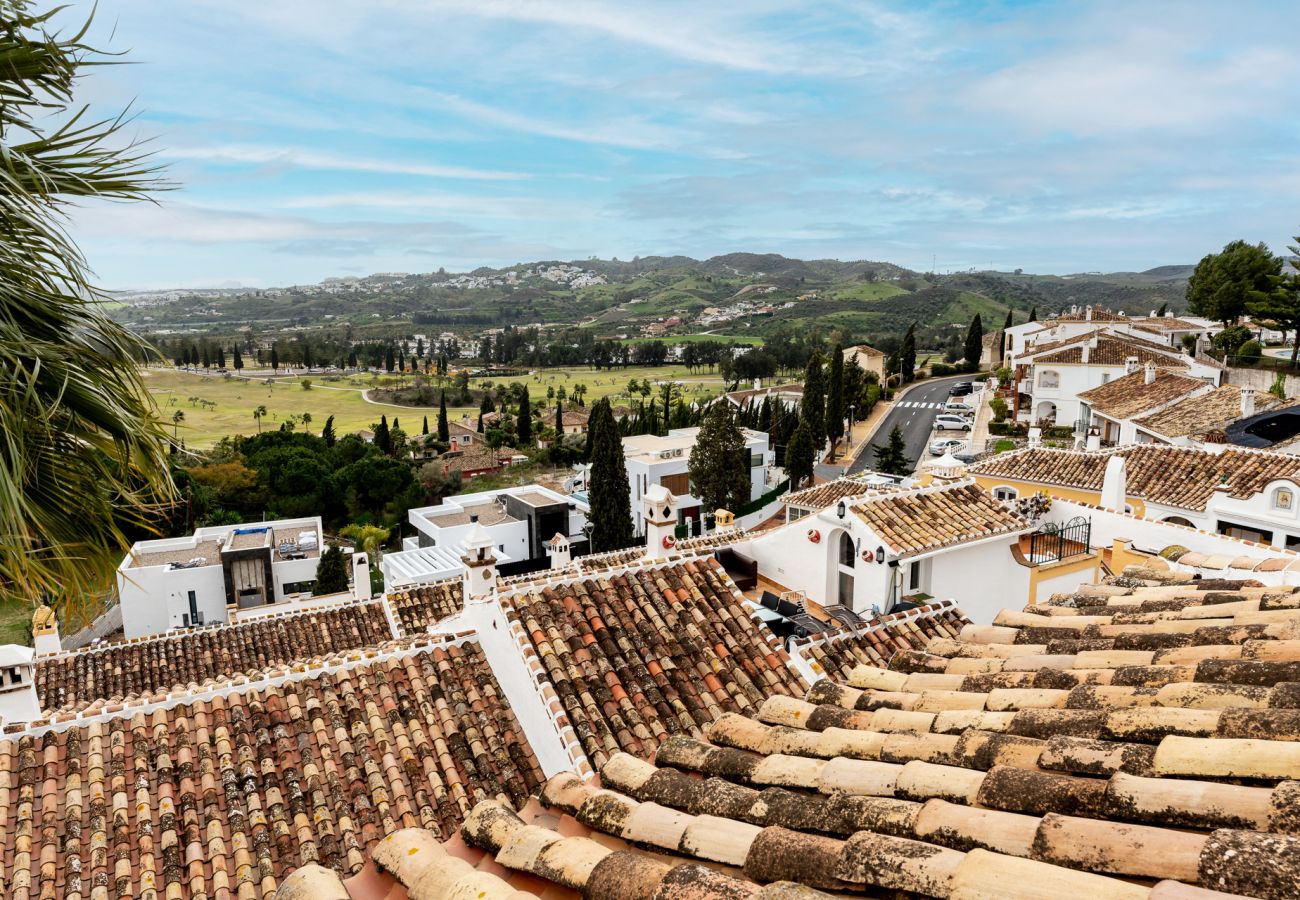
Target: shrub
[939,370]
[999,407]
[1250,350]
[1059,432]
[1007,429]
[306,384]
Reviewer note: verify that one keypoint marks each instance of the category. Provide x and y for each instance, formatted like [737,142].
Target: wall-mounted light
[880,554]
[841,509]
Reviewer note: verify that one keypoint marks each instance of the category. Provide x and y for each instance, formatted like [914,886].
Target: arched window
[1284,499]
[1049,378]
[846,549]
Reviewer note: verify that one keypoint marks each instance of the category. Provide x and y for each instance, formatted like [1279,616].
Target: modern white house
[217,572]
[520,520]
[665,460]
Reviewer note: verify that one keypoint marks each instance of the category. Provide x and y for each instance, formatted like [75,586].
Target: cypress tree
[719,464]
[444,431]
[524,424]
[239,359]
[610,494]
[1033,314]
[974,347]
[835,396]
[812,409]
[327,433]
[1006,327]
[331,572]
[383,440]
[425,430]
[907,355]
[559,422]
[275,359]
[799,456]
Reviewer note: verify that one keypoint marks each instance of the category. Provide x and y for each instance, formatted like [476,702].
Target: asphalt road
[914,414]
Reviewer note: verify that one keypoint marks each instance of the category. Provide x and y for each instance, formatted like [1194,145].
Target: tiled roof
[223,797]
[863,350]
[76,680]
[575,416]
[821,496]
[710,541]
[1161,324]
[1130,396]
[1110,351]
[1137,743]
[1096,314]
[1173,476]
[476,456]
[1209,412]
[643,654]
[932,778]
[923,520]
[840,652]
[419,606]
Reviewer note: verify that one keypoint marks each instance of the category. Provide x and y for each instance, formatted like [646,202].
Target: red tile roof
[115,672]
[642,654]
[836,654]
[917,521]
[419,606]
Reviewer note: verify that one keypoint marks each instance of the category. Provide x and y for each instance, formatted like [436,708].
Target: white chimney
[1114,484]
[561,554]
[361,576]
[1094,438]
[659,508]
[1086,353]
[1150,376]
[1153,314]
[1035,436]
[1247,402]
[758,384]
[479,560]
[1088,313]
[1169,314]
[18,701]
[1130,365]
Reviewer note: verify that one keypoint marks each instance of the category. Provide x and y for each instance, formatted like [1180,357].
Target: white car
[946,445]
[954,406]
[951,422]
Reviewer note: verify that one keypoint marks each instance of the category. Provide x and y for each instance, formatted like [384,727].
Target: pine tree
[835,396]
[719,463]
[331,572]
[812,409]
[327,433]
[974,346]
[524,424]
[799,456]
[610,494]
[892,458]
[907,355]
[444,431]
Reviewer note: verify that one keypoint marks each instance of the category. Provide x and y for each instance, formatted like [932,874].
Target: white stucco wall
[154,600]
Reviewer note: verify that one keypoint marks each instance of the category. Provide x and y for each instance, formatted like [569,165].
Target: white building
[18,699]
[871,552]
[520,520]
[214,573]
[653,460]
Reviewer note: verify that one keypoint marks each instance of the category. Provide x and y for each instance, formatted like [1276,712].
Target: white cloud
[311,159]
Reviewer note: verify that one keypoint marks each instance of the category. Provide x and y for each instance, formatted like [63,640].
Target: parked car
[952,422]
[956,406]
[966,456]
[961,389]
[946,445]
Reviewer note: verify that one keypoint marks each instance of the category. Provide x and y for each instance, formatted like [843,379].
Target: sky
[317,138]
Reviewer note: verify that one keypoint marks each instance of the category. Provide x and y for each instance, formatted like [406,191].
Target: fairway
[230,401]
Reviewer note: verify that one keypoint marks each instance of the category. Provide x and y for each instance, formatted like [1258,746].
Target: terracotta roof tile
[420,606]
[1207,413]
[223,797]
[922,520]
[116,672]
[876,643]
[1174,476]
[643,654]
[821,496]
[1130,396]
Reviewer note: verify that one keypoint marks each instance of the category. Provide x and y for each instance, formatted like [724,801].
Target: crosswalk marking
[916,404]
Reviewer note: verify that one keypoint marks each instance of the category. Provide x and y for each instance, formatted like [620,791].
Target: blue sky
[313,138]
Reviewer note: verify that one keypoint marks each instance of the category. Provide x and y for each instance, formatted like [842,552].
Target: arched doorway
[1045,413]
[845,556]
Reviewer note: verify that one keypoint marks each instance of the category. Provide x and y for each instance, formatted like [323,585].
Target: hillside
[738,293]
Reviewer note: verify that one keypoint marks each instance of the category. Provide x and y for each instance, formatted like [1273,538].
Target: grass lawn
[232,400]
[866,290]
[15,616]
[1004,446]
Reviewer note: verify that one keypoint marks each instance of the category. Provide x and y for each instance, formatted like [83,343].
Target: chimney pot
[1130,365]
[1247,402]
[1150,373]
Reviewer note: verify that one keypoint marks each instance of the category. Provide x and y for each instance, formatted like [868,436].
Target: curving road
[914,414]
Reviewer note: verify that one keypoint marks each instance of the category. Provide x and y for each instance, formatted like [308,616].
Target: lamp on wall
[880,554]
[840,509]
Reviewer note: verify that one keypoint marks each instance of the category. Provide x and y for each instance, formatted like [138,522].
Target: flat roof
[488,514]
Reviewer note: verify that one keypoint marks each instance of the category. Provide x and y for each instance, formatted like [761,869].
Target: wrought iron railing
[1052,542]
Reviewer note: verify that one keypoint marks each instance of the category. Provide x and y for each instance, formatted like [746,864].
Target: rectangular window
[1245,532]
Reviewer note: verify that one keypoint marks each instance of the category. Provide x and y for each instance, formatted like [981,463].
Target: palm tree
[306,422]
[84,459]
[258,414]
[177,418]
[369,538]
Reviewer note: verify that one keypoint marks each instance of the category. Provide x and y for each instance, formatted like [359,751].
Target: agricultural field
[215,406]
